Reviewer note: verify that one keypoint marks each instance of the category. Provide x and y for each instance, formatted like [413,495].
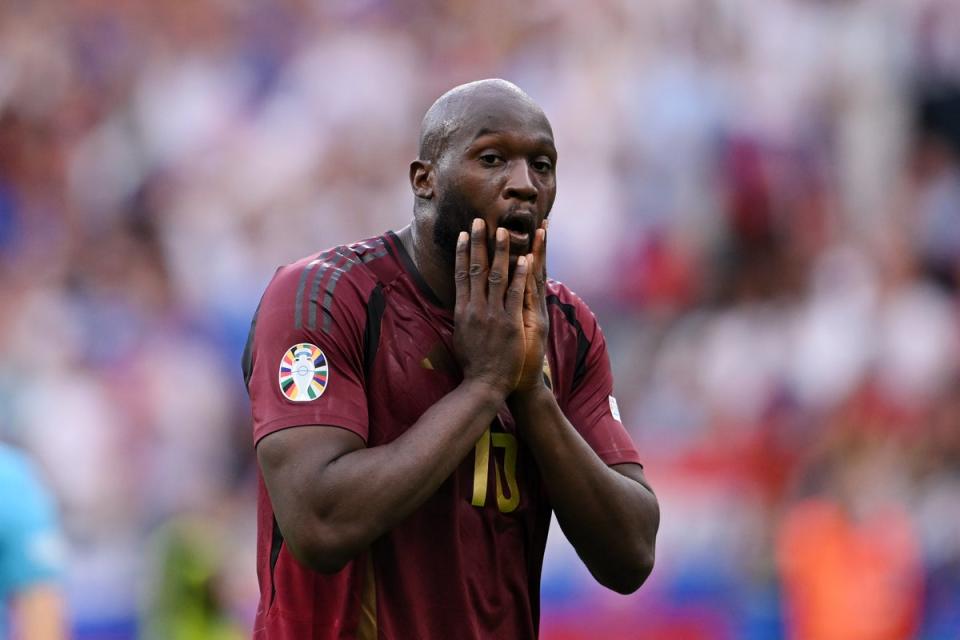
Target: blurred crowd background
[760,199]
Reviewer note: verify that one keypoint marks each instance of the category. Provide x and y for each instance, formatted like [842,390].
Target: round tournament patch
[303,372]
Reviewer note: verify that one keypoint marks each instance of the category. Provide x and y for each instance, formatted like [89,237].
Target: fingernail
[522,261]
[463,237]
[501,234]
[477,223]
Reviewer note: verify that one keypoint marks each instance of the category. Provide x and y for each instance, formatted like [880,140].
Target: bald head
[469,104]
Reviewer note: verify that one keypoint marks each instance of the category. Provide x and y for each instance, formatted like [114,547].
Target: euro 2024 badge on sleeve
[303,372]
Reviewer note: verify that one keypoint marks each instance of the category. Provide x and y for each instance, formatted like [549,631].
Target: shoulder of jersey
[344,263]
[313,283]
[563,301]
[558,292]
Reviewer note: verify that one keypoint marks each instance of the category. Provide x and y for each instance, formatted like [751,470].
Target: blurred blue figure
[31,554]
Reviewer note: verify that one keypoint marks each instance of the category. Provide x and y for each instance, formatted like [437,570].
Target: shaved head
[451,111]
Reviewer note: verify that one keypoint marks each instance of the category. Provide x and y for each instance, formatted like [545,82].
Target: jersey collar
[396,247]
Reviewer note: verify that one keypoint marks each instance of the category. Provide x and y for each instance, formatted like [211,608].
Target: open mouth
[520,227]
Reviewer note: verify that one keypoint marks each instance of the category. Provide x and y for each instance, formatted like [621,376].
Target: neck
[436,272]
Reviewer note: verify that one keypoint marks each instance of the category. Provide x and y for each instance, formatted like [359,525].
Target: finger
[499,270]
[542,274]
[536,256]
[531,293]
[461,273]
[540,253]
[518,287]
[478,261]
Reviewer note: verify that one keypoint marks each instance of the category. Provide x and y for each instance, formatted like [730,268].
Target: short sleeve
[304,362]
[591,406]
[31,545]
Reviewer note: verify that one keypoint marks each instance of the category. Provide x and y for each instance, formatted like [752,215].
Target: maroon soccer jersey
[353,338]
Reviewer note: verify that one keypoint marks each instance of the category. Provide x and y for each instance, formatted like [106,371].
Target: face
[499,166]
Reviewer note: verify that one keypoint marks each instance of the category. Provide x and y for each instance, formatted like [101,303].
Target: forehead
[506,116]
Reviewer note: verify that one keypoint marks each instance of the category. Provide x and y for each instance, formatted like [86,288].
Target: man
[30,554]
[422,402]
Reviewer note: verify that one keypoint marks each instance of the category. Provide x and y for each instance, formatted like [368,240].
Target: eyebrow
[540,139]
[487,132]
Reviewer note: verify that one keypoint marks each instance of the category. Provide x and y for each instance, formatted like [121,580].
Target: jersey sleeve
[31,546]
[304,362]
[591,406]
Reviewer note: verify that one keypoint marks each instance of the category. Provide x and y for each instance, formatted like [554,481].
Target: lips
[519,243]
[520,225]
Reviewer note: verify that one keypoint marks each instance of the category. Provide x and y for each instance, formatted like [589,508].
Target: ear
[421,179]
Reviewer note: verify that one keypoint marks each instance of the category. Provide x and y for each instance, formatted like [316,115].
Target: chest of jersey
[414,368]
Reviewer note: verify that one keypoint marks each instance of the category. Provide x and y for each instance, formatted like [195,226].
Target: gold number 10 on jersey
[481,470]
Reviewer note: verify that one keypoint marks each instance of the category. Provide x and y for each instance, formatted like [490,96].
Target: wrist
[487,393]
[522,399]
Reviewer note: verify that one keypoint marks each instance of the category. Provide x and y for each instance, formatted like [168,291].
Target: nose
[519,185]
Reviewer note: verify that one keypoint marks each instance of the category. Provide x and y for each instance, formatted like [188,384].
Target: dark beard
[453,216]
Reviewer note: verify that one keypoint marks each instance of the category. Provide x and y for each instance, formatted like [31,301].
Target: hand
[536,320]
[488,331]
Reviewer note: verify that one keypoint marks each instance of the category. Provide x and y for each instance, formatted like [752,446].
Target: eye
[491,159]
[542,165]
